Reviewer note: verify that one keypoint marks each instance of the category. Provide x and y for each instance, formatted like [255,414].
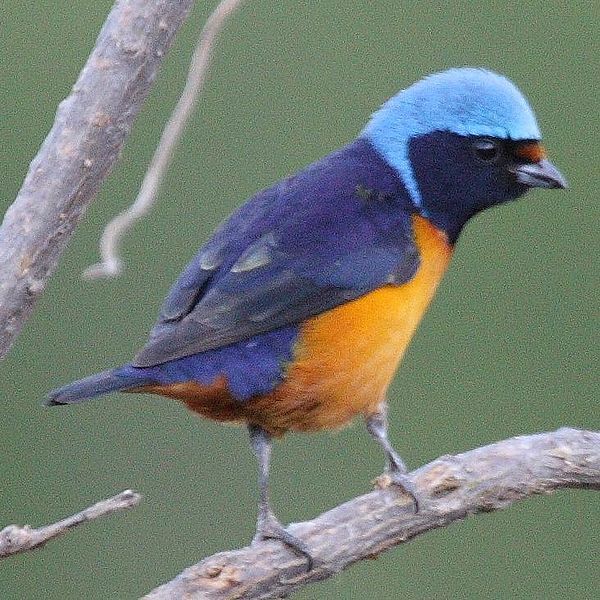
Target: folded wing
[296,250]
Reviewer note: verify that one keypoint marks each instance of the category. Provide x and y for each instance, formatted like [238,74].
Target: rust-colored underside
[345,358]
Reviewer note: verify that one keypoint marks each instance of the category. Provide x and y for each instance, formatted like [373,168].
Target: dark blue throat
[454,184]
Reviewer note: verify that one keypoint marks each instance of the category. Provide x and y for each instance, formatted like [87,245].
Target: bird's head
[462,140]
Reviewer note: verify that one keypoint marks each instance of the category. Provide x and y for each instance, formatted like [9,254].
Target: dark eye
[486,150]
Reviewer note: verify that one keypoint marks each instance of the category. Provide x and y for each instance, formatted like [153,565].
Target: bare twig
[111,265]
[15,539]
[85,141]
[482,480]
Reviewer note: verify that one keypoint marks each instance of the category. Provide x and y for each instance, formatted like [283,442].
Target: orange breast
[347,356]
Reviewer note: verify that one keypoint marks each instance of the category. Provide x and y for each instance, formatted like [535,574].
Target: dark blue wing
[330,234]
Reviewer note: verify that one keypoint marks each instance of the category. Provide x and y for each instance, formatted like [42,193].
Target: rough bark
[482,480]
[84,143]
[16,538]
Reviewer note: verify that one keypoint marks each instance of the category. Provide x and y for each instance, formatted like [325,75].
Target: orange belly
[345,357]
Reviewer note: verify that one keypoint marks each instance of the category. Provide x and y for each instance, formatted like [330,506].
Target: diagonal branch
[15,539]
[482,480]
[84,143]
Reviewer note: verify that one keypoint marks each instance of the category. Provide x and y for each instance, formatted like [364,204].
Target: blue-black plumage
[296,313]
[332,232]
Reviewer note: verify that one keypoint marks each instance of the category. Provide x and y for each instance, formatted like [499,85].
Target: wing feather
[296,250]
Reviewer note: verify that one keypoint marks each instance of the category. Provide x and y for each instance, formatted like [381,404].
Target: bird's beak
[540,174]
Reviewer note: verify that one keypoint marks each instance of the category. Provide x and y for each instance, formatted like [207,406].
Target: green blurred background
[508,347]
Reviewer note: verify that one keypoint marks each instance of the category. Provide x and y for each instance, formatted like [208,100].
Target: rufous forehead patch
[531,152]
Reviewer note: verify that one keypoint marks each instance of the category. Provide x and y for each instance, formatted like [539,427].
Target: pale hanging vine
[111,264]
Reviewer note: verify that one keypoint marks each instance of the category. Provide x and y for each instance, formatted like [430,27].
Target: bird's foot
[396,472]
[402,480]
[269,528]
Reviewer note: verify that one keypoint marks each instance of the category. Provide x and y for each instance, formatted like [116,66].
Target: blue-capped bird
[295,314]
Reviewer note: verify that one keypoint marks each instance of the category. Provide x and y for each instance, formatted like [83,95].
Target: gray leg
[395,467]
[268,526]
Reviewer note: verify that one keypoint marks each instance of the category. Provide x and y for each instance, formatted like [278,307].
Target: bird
[295,314]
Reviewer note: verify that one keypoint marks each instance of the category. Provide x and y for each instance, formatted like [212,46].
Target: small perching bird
[295,314]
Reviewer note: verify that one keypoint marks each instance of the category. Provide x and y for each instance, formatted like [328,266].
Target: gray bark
[454,487]
[15,539]
[84,143]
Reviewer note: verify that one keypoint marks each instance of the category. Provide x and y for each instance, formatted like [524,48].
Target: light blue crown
[465,101]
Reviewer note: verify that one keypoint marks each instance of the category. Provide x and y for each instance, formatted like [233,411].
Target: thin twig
[83,145]
[111,265]
[454,487]
[16,538]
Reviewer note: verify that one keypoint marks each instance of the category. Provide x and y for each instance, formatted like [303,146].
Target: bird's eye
[486,150]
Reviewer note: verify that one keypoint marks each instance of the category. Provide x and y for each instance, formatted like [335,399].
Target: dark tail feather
[92,386]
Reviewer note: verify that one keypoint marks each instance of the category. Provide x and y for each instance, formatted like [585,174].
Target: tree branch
[15,539]
[482,480]
[84,143]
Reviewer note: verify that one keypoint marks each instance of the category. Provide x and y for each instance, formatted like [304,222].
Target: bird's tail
[93,386]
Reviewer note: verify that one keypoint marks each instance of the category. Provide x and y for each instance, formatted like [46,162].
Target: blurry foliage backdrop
[508,347]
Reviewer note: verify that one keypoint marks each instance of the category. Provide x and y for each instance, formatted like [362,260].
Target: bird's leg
[395,467]
[268,526]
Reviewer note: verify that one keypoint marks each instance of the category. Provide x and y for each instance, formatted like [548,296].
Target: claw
[396,470]
[272,529]
[405,483]
[268,527]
